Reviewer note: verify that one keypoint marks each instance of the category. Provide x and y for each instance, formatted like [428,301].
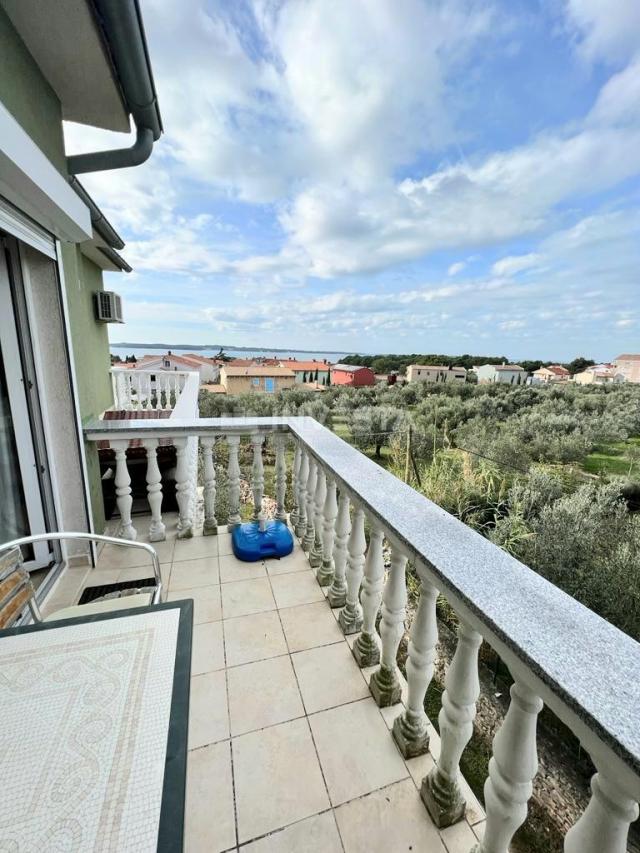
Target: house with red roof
[552,373]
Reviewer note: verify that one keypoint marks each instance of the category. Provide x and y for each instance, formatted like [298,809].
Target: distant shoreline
[196,347]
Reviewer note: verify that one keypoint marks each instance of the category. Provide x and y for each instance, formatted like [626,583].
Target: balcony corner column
[183,488]
[367,647]
[350,619]
[604,824]
[233,472]
[303,476]
[295,474]
[210,527]
[410,728]
[440,790]
[511,771]
[337,594]
[310,534]
[315,554]
[385,684]
[324,574]
[281,477]
[154,491]
[123,490]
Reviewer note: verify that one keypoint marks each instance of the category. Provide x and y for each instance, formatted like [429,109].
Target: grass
[613,458]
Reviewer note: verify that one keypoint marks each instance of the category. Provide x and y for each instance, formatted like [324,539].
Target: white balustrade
[350,618]
[315,554]
[337,593]
[301,524]
[124,500]
[295,473]
[154,491]
[233,472]
[183,489]
[310,534]
[257,475]
[209,492]
[281,477]
[324,574]
[385,683]
[147,389]
[604,825]
[367,647]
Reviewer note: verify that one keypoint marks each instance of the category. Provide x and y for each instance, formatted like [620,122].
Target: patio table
[93,735]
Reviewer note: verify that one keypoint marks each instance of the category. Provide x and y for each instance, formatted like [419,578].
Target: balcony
[319,739]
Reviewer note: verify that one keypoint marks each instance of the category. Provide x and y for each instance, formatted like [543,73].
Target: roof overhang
[65,41]
[103,255]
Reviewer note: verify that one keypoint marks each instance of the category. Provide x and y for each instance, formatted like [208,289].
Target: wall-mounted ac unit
[108,307]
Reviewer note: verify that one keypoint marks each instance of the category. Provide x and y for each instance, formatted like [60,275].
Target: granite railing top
[589,665]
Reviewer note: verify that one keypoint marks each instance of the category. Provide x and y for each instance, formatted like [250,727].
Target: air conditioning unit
[108,307]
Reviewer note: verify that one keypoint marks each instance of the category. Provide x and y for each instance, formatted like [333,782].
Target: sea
[301,355]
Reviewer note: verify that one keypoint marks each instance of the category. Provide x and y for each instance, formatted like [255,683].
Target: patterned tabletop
[85,710]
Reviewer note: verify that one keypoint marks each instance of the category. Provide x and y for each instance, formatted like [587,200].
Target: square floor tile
[123,557]
[316,834]
[277,777]
[255,637]
[297,588]
[296,561]
[207,651]
[208,714]
[309,625]
[458,838]
[144,572]
[328,676]
[233,569]
[239,598]
[224,544]
[357,753]
[209,816]
[207,605]
[391,819]
[262,694]
[188,574]
[196,547]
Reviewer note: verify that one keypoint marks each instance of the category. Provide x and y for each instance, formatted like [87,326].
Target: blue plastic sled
[251,544]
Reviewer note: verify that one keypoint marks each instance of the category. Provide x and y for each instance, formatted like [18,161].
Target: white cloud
[454,269]
[514,264]
[605,29]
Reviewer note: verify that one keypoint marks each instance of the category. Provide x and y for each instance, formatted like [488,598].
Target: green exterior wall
[27,95]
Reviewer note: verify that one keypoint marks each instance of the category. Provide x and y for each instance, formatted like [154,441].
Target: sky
[379,176]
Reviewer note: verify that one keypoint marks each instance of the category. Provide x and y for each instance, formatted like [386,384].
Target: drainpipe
[120,23]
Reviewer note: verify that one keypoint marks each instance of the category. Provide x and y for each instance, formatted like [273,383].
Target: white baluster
[154,491]
[315,555]
[384,683]
[114,388]
[511,771]
[301,525]
[440,789]
[367,647]
[604,824]
[183,488]
[209,492]
[123,490]
[329,513]
[337,594]
[410,728]
[162,380]
[257,475]
[233,470]
[281,477]
[295,473]
[350,619]
[310,534]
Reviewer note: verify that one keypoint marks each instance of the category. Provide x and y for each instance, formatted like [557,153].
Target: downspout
[120,23]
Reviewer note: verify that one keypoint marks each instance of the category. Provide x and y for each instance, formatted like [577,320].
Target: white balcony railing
[559,653]
[157,390]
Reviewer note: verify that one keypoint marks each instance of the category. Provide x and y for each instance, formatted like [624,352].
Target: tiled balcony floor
[288,753]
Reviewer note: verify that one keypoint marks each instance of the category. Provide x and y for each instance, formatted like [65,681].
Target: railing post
[114,388]
[350,619]
[604,825]
[511,771]
[310,534]
[324,574]
[257,475]
[301,524]
[183,488]
[210,527]
[281,477]
[410,728]
[367,647]
[384,683]
[440,789]
[295,473]
[233,470]
[337,594]
[154,491]
[315,555]
[123,490]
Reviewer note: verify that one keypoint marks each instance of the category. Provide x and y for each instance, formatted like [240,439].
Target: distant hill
[195,347]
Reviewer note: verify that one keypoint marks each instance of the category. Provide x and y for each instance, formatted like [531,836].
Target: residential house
[351,374]
[256,378]
[435,373]
[506,374]
[628,365]
[600,374]
[552,373]
[207,369]
[308,371]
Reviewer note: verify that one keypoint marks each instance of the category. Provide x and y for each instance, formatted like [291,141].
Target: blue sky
[386,176]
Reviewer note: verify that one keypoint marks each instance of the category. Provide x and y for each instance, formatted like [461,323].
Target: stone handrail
[559,653]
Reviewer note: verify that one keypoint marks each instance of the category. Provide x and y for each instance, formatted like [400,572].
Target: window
[256,382]
[269,385]
[166,363]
